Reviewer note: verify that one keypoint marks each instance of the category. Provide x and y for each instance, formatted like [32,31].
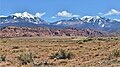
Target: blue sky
[62,9]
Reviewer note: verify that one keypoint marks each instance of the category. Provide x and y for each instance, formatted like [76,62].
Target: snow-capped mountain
[94,22]
[69,22]
[22,17]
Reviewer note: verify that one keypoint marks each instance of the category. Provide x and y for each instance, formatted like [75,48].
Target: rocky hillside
[13,31]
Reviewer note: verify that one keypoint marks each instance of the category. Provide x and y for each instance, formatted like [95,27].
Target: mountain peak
[90,17]
[74,19]
[87,17]
[23,15]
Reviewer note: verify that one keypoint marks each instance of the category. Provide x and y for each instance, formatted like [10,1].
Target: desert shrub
[107,39]
[114,53]
[101,39]
[15,47]
[4,41]
[84,40]
[87,40]
[26,58]
[79,42]
[61,54]
[116,38]
[2,58]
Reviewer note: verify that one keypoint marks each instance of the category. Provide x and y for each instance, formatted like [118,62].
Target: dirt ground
[86,53]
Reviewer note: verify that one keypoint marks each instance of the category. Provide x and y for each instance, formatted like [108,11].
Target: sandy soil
[87,54]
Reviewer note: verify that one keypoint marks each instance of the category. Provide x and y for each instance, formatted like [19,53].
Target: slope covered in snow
[22,17]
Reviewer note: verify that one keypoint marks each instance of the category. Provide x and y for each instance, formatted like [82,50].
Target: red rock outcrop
[13,31]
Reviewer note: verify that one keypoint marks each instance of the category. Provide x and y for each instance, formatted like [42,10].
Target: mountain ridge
[93,22]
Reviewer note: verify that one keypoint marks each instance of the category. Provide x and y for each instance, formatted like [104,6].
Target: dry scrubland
[60,52]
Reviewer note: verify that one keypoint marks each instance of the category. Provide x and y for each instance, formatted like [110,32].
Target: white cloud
[75,16]
[112,12]
[53,17]
[66,14]
[100,13]
[39,14]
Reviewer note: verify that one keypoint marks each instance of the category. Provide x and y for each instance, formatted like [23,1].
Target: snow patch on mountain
[88,17]
[103,25]
[23,15]
[28,15]
[117,20]
[2,16]
[59,23]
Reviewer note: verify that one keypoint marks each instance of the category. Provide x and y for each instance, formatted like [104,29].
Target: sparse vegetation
[101,39]
[61,54]
[86,40]
[115,53]
[60,51]
[2,58]
[15,47]
[25,58]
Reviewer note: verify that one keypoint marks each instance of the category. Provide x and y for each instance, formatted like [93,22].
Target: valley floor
[37,52]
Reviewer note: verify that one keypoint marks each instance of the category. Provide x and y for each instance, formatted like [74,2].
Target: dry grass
[87,52]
